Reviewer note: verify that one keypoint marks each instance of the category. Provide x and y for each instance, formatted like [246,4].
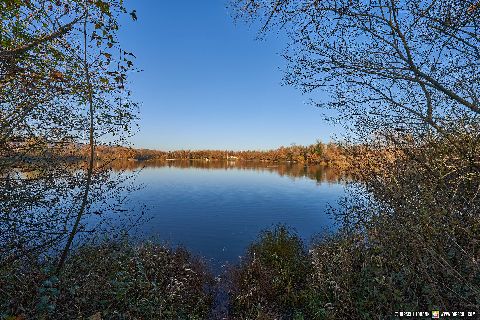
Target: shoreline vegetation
[327,154]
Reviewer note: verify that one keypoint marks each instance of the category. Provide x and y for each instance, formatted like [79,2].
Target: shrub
[413,242]
[273,280]
[110,281]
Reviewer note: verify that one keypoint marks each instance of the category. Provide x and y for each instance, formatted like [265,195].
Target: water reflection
[294,170]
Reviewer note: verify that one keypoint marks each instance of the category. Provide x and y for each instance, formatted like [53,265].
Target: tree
[403,76]
[62,84]
[386,63]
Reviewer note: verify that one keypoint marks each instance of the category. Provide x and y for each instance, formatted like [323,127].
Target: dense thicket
[403,77]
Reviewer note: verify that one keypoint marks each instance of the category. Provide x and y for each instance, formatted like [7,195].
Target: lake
[216,209]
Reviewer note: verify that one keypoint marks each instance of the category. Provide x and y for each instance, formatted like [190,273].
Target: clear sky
[207,83]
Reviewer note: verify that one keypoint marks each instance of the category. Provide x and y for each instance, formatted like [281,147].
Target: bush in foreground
[359,274]
[109,281]
[274,280]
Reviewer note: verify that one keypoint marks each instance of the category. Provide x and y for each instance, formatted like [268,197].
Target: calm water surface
[217,209]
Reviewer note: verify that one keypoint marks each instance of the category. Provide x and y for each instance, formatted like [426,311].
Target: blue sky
[207,83]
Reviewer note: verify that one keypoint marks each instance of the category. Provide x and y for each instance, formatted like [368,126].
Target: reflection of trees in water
[295,170]
[38,202]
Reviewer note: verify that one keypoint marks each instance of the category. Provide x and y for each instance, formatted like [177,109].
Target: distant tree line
[317,153]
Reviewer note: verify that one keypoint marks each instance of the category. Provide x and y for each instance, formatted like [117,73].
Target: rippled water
[216,209]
